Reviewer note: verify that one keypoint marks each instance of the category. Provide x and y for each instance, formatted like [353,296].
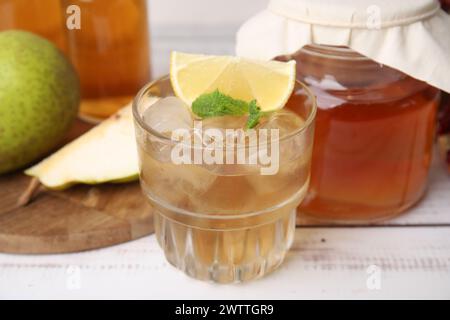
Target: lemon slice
[269,82]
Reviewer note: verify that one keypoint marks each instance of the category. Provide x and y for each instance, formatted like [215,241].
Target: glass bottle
[111,52]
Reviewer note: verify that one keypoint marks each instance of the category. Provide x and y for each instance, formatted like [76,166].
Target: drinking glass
[224,222]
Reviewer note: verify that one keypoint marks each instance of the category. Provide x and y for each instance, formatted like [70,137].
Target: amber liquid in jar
[111,53]
[373,140]
[42,17]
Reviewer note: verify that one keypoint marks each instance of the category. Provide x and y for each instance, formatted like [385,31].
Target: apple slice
[106,153]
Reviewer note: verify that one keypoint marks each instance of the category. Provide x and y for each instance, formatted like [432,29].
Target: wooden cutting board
[78,219]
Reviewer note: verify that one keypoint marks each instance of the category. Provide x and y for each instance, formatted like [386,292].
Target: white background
[203,13]
[196,26]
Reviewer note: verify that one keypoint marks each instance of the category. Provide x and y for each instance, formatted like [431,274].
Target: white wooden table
[408,257]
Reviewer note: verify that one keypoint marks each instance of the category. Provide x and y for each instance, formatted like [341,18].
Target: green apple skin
[39,98]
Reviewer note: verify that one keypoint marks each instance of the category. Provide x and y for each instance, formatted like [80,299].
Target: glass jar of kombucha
[374,136]
[42,17]
[110,52]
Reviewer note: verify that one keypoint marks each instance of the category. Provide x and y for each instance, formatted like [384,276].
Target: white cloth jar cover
[412,36]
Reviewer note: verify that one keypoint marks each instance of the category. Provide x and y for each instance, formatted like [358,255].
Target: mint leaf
[254,115]
[217,104]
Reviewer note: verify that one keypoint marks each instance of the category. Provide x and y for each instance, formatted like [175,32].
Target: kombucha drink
[225,222]
[374,136]
[42,17]
[110,52]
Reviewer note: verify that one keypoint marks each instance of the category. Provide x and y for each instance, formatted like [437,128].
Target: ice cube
[182,185]
[224,122]
[285,120]
[164,116]
[286,176]
[294,155]
[168,114]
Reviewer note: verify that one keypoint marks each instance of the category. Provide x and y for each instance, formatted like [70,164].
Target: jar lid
[411,36]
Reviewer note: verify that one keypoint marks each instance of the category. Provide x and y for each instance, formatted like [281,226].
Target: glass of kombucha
[223,222]
[111,53]
[374,135]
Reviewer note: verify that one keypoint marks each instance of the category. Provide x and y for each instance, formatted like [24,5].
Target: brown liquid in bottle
[42,17]
[111,53]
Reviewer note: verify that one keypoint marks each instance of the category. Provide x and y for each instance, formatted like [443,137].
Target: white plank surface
[324,263]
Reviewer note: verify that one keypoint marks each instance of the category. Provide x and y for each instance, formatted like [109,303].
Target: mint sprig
[254,115]
[217,104]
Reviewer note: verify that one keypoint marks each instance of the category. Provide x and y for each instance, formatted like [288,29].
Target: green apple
[39,98]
